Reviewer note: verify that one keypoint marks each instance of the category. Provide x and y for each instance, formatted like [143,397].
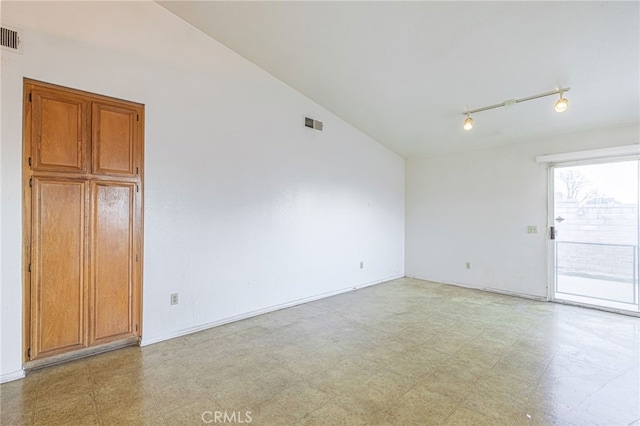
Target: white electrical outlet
[467,265]
[174,298]
[532,229]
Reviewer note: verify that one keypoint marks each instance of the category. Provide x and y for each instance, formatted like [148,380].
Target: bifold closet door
[59,266]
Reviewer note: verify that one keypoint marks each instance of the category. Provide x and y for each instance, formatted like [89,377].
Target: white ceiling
[403,72]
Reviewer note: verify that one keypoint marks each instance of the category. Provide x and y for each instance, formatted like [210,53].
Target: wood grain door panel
[113,136]
[58,285]
[59,131]
[112,260]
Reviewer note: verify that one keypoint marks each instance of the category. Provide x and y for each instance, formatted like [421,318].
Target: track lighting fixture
[561,105]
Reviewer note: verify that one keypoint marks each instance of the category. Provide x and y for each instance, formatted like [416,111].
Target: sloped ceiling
[404,72]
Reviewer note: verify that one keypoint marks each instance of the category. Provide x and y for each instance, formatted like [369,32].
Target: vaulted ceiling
[404,72]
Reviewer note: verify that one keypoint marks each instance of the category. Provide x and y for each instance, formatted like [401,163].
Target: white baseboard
[14,375]
[515,294]
[178,333]
[487,289]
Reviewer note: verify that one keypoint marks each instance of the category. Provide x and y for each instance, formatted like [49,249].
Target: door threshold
[81,353]
[597,307]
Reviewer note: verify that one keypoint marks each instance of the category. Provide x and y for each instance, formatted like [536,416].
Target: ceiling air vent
[10,39]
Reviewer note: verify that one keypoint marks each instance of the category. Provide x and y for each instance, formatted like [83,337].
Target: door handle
[552,233]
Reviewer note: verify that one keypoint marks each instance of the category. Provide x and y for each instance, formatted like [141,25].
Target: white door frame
[564,160]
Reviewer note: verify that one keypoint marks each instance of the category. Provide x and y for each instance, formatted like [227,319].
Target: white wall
[245,209]
[476,206]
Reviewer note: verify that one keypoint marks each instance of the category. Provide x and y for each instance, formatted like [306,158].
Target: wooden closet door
[59,266]
[59,131]
[114,139]
[112,261]
[82,250]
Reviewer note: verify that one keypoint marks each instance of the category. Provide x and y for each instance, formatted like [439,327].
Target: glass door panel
[595,215]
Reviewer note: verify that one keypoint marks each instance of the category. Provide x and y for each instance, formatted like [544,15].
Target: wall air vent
[10,39]
[313,124]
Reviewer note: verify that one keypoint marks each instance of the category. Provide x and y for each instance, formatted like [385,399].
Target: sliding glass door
[595,230]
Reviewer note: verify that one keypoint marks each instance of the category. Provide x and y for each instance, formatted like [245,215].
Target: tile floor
[406,352]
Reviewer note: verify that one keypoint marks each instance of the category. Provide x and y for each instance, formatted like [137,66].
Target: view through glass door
[596,225]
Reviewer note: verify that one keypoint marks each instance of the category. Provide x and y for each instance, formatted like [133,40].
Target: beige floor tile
[419,333]
[422,406]
[464,416]
[462,370]
[331,415]
[345,377]
[538,419]
[275,380]
[121,395]
[179,394]
[64,408]
[389,350]
[23,415]
[499,383]
[308,364]
[390,384]
[410,367]
[500,407]
[88,420]
[301,399]
[200,411]
[367,403]
[449,342]
[133,414]
[519,367]
[270,413]
[18,401]
[235,391]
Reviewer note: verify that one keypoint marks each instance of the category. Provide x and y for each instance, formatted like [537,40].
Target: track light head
[561,104]
[468,123]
